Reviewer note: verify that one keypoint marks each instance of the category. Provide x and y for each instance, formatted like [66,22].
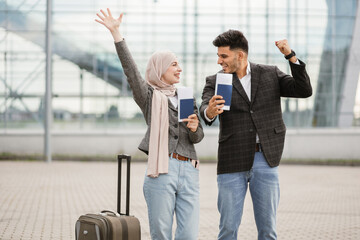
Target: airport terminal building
[63,90]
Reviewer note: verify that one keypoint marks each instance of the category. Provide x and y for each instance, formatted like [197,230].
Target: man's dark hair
[233,39]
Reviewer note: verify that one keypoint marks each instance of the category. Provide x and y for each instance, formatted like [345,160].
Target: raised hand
[285,49]
[283,46]
[111,23]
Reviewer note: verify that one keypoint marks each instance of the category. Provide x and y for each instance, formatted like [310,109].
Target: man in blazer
[252,132]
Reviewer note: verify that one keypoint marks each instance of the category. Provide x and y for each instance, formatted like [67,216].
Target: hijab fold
[158,159]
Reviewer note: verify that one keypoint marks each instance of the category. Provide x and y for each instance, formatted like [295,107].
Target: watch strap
[292,54]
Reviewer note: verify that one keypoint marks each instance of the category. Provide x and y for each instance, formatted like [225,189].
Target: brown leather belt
[179,157]
[258,147]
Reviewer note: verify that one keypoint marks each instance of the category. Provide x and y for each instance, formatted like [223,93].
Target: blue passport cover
[225,91]
[186,108]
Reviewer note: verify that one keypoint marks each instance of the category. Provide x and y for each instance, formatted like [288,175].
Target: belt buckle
[175,155]
[180,157]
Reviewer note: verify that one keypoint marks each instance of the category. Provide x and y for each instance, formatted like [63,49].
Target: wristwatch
[290,55]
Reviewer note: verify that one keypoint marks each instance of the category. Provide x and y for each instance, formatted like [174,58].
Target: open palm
[108,20]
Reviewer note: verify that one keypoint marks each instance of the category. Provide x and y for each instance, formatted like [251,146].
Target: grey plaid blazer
[181,139]
[262,115]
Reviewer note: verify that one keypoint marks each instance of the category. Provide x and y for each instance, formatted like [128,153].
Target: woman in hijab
[171,182]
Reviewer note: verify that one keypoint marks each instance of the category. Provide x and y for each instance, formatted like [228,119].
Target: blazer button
[251,130]
[176,137]
[251,111]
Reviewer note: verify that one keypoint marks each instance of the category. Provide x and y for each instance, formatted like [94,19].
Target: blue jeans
[263,182]
[177,191]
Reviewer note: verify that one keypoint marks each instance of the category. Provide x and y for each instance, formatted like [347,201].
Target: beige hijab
[159,130]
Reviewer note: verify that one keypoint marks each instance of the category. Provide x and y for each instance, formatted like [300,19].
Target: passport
[224,88]
[185,102]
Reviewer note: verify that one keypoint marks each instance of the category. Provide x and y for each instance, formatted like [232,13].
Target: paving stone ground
[41,201]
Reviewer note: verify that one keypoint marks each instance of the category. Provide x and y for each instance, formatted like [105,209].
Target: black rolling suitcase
[109,225]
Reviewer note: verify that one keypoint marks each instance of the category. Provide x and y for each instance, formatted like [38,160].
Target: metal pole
[106,114]
[5,90]
[81,117]
[196,53]
[184,67]
[267,32]
[333,64]
[248,19]
[48,90]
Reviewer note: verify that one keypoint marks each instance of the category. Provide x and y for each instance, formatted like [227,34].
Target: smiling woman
[168,142]
[172,74]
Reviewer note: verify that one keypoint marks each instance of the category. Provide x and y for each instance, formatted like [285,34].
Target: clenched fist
[285,49]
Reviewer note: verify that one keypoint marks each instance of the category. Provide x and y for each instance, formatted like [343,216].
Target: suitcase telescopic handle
[128,160]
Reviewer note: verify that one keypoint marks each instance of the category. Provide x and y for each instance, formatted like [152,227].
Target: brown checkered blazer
[262,115]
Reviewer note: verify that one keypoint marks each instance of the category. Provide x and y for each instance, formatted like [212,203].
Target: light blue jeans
[177,191]
[263,182]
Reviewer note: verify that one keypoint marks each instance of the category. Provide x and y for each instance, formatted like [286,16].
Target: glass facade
[90,90]
[338,38]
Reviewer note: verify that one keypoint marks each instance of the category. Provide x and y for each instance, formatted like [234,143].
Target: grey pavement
[43,201]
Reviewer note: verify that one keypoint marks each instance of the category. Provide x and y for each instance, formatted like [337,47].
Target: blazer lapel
[255,79]
[238,86]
